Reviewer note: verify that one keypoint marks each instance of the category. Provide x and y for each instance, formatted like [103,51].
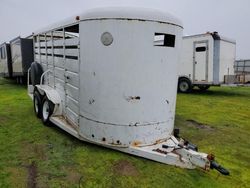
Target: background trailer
[206,59]
[21,57]
[242,71]
[5,61]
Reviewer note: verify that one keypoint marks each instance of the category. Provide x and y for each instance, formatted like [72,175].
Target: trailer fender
[36,72]
[52,95]
[184,77]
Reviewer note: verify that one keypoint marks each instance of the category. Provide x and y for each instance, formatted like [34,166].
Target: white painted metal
[226,58]
[200,62]
[210,66]
[120,73]
[118,93]
[146,14]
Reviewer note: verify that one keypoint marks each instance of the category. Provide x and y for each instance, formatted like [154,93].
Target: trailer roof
[242,60]
[134,13]
[5,43]
[215,35]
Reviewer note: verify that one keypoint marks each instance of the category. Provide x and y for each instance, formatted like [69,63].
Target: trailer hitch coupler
[222,170]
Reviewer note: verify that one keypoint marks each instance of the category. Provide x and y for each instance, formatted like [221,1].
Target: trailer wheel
[36,72]
[184,85]
[203,88]
[37,104]
[47,110]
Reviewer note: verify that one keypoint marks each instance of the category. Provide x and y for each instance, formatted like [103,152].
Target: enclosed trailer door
[3,61]
[16,58]
[200,68]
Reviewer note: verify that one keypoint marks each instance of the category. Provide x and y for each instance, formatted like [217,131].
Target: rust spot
[159,141]
[136,143]
[210,157]
[160,151]
[77,17]
[180,157]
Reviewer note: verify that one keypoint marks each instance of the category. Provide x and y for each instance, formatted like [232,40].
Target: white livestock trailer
[105,79]
[207,59]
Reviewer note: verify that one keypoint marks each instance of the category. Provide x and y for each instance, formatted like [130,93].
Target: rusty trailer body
[105,79]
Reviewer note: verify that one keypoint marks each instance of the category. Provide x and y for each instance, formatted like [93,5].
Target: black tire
[36,72]
[203,87]
[184,85]
[47,111]
[37,104]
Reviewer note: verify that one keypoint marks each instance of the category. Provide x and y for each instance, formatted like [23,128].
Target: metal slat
[59,51]
[49,43]
[42,44]
[43,59]
[72,52]
[50,60]
[72,104]
[59,73]
[72,42]
[72,65]
[58,42]
[72,116]
[72,78]
[43,50]
[72,91]
[59,62]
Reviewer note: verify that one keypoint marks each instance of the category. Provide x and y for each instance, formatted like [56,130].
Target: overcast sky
[229,17]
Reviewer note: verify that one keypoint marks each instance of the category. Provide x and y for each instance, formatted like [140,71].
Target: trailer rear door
[200,67]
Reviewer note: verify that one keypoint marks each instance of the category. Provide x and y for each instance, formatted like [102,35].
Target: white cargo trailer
[206,60]
[104,78]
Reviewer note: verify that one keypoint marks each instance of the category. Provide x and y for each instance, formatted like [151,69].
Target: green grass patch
[218,121]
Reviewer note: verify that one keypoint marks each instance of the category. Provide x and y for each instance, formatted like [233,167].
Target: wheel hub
[184,86]
[46,110]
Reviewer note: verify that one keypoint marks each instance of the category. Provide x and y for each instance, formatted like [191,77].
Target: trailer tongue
[178,153]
